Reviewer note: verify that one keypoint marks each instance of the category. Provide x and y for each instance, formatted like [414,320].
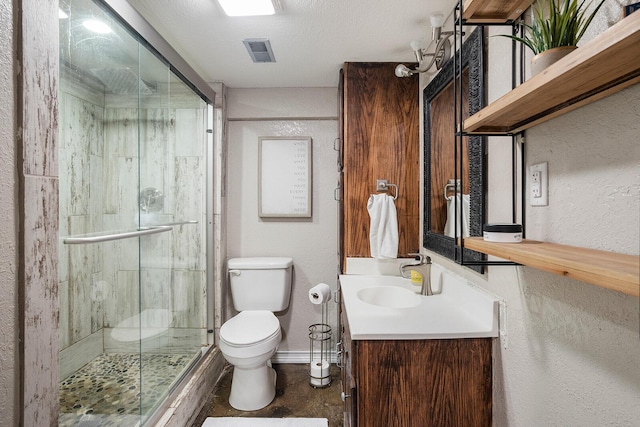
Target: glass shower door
[173,189]
[132,220]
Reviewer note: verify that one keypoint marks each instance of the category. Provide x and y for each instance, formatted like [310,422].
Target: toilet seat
[250,333]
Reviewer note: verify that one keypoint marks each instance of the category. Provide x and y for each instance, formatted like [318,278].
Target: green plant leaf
[556,23]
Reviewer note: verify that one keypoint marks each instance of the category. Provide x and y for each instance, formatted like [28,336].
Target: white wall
[570,356]
[312,243]
[9,382]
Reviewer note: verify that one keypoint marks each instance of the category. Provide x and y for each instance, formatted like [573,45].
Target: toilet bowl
[248,341]
[259,287]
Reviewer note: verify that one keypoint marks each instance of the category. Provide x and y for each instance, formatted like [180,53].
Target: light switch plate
[539,184]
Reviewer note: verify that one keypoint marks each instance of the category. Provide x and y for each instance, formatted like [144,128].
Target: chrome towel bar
[115,236]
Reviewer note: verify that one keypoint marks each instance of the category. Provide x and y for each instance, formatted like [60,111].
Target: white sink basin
[389,296]
[384,307]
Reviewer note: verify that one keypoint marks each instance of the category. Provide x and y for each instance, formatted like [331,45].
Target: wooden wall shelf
[604,65]
[493,11]
[606,269]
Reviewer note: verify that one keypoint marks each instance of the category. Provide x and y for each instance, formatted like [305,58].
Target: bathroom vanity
[408,362]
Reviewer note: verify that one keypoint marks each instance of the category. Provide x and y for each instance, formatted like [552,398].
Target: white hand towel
[383,234]
[453,216]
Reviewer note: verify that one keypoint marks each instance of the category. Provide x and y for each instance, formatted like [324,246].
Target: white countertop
[460,311]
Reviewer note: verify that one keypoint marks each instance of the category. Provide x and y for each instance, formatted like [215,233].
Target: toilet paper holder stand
[320,335]
[319,345]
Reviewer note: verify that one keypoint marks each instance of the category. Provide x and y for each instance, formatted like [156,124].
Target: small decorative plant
[556,24]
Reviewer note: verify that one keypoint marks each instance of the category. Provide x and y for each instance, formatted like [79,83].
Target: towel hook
[383,185]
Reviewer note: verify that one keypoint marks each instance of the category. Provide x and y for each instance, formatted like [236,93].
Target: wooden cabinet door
[426,383]
[381,123]
[349,389]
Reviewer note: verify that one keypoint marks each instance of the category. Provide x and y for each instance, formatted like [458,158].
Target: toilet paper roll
[320,294]
[319,372]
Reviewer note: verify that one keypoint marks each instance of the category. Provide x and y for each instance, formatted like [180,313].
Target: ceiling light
[248,7]
[96,26]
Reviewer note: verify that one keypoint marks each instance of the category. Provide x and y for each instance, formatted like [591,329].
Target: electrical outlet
[539,174]
[535,184]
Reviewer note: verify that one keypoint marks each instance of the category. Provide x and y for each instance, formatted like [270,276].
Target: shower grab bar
[117,236]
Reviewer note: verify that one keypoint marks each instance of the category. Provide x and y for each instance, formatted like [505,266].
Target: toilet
[259,287]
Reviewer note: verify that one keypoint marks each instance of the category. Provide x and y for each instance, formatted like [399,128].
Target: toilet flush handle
[234,272]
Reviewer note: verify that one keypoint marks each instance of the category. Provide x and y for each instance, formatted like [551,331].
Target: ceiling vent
[259,50]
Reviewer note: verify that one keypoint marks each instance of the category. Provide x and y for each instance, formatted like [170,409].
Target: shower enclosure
[133,221]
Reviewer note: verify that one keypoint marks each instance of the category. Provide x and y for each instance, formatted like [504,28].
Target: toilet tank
[260,283]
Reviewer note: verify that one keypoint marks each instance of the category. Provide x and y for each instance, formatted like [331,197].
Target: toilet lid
[249,327]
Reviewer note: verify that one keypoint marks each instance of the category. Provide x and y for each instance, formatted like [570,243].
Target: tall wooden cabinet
[380,122]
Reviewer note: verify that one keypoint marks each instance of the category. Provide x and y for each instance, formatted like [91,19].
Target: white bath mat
[265,422]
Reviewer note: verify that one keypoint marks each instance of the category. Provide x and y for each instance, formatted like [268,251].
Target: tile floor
[108,389]
[294,397]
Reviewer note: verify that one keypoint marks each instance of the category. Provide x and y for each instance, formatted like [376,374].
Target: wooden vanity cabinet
[415,383]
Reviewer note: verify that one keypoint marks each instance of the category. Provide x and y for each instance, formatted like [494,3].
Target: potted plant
[557,27]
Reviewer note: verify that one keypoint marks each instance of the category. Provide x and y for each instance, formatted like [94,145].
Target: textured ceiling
[310,38]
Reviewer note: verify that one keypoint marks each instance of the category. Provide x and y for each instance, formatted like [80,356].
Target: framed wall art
[284,177]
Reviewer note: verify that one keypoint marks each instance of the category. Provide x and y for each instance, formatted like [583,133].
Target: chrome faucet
[421,264]
[417,260]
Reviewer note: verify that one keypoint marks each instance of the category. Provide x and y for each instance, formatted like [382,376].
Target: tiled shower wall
[99,158]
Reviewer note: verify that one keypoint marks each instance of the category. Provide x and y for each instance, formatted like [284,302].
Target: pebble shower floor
[107,390]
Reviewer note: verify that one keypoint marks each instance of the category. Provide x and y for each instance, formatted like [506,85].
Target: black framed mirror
[441,194]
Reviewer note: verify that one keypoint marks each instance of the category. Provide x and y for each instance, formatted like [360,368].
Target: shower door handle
[116,236]
[193,221]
